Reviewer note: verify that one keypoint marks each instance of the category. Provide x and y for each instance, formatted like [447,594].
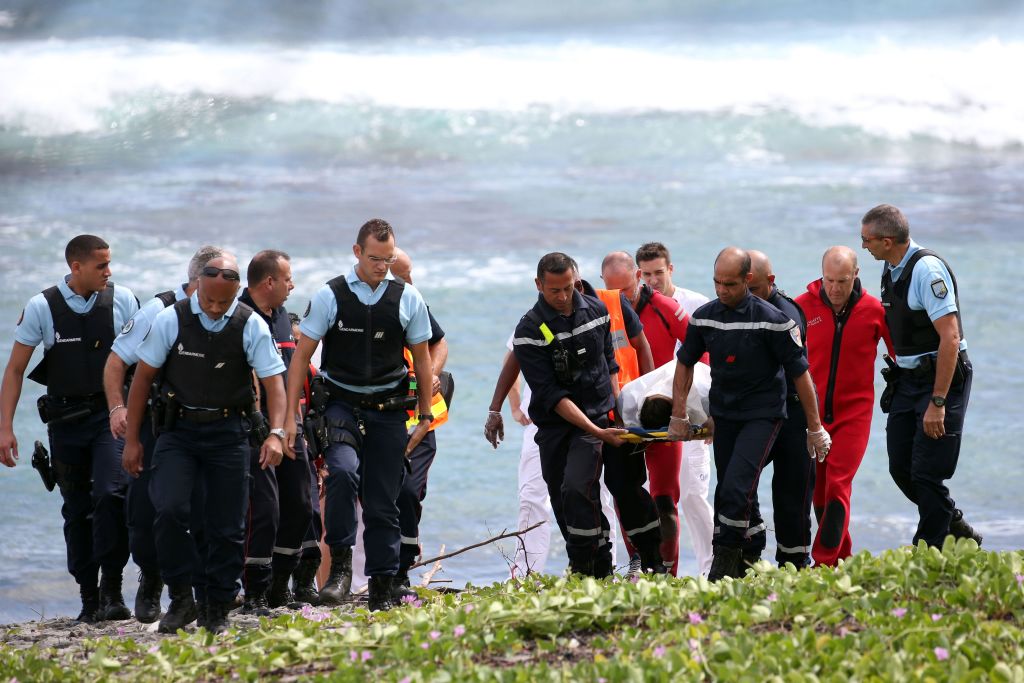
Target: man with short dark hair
[139,506]
[206,349]
[280,498]
[366,318]
[76,321]
[564,347]
[752,345]
[933,379]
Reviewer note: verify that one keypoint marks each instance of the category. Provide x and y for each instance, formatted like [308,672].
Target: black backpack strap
[166,298]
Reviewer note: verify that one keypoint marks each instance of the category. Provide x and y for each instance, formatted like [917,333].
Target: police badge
[939,288]
[794,333]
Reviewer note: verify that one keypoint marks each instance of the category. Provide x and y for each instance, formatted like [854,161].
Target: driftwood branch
[502,535]
[433,570]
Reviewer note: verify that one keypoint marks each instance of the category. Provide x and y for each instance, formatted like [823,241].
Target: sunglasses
[227,273]
[389,261]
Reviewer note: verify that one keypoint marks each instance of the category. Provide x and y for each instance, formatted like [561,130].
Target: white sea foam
[960,93]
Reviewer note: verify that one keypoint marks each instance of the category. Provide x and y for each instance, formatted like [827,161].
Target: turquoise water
[489,136]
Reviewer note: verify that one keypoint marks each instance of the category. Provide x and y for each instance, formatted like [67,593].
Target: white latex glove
[818,444]
[679,428]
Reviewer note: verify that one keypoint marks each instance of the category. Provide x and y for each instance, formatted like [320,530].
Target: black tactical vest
[281,329]
[912,330]
[209,369]
[73,366]
[363,346]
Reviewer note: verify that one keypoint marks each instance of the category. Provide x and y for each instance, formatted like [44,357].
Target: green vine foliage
[910,613]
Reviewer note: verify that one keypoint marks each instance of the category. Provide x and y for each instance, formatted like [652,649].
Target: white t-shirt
[659,383]
[524,388]
[690,301]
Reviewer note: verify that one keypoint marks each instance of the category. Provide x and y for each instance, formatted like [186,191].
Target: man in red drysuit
[844,324]
[664,323]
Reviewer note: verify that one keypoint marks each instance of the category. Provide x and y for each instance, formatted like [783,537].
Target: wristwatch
[939,401]
[425,418]
[279,433]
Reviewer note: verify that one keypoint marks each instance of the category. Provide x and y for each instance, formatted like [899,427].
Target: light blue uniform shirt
[323,309]
[126,345]
[36,325]
[260,349]
[922,294]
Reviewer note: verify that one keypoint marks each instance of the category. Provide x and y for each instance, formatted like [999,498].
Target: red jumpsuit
[664,322]
[841,350]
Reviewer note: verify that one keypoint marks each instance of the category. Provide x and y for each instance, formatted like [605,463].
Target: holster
[891,374]
[165,412]
[259,428]
[55,411]
[344,432]
[41,464]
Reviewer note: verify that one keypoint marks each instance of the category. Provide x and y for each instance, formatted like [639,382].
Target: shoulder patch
[939,288]
[128,326]
[21,317]
[794,333]
[309,307]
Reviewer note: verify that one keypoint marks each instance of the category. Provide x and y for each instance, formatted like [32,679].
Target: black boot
[278,595]
[182,610]
[217,617]
[201,606]
[381,593]
[726,562]
[400,588]
[338,587]
[147,599]
[90,613]
[112,607]
[303,579]
[255,603]
[959,528]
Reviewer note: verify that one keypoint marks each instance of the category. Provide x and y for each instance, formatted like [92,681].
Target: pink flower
[1020,579]
[899,612]
[367,655]
[941,654]
[936,617]
[405,680]
[120,631]
[696,618]
[153,650]
[772,597]
[424,646]
[694,644]
[468,608]
[434,635]
[459,630]
[659,651]
[212,649]
[412,600]
[634,578]
[353,655]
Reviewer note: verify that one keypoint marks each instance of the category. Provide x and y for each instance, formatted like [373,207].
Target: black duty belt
[201,416]
[926,370]
[397,398]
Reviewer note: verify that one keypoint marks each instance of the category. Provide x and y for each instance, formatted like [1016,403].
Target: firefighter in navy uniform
[280,498]
[208,348]
[564,347]
[76,321]
[928,390]
[366,318]
[752,345]
[139,507]
[792,470]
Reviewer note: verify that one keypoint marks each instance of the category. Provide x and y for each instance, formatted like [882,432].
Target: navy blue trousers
[919,464]
[214,456]
[315,532]
[280,513]
[410,499]
[741,451]
[571,462]
[792,488]
[625,472]
[374,475]
[93,497]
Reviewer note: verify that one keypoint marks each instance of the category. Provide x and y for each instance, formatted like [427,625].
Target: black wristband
[425,418]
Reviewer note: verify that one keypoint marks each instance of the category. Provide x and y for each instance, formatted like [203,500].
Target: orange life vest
[625,355]
[438,407]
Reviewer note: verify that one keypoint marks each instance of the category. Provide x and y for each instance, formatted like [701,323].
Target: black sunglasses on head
[227,273]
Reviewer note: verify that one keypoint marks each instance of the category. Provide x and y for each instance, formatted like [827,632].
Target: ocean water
[489,135]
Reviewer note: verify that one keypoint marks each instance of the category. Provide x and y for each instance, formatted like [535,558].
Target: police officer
[139,510]
[280,498]
[206,348]
[564,347]
[933,384]
[792,470]
[76,321]
[366,318]
[752,345]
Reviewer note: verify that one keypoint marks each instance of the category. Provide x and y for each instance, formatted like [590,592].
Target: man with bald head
[752,346]
[207,348]
[844,324]
[792,470]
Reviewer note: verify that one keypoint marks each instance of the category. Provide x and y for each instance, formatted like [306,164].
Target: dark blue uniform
[570,458]
[280,498]
[752,348]
[792,468]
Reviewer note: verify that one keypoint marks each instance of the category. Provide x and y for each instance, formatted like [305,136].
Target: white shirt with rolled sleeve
[659,383]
